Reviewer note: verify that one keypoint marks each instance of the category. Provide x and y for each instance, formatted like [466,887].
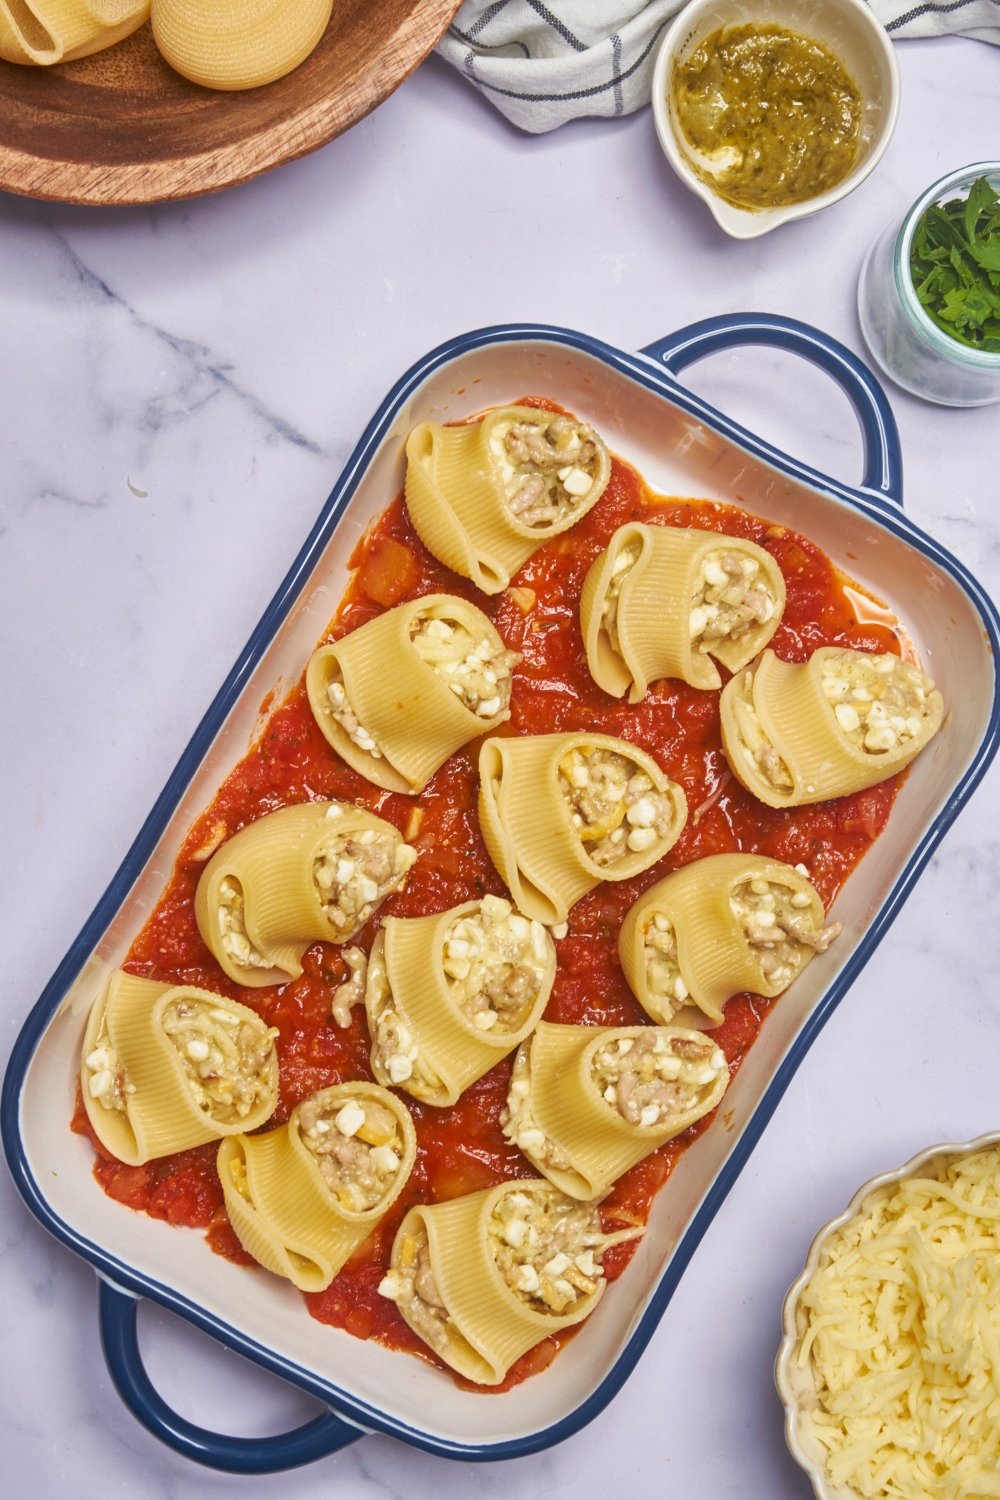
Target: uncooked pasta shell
[654,609]
[528,827]
[714,957]
[43,32]
[290,1221]
[798,719]
[493,1325]
[237,44]
[414,718]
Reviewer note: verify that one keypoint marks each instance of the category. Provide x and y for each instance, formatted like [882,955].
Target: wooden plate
[123,127]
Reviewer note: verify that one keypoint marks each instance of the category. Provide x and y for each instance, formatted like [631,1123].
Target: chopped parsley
[955,266]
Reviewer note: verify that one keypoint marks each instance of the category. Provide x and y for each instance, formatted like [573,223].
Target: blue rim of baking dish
[655,367]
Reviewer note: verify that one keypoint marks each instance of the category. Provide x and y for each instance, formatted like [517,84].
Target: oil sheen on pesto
[768,117]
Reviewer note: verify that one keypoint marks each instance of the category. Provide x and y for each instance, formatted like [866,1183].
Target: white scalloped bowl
[848,28]
[797,1387]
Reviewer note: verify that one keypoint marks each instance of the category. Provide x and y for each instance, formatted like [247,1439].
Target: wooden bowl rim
[174,178]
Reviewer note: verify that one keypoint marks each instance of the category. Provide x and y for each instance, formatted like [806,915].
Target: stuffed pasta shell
[484,1278]
[718,926]
[448,996]
[404,692]
[167,1067]
[661,601]
[587,1103]
[303,1197]
[295,877]
[838,723]
[484,496]
[562,812]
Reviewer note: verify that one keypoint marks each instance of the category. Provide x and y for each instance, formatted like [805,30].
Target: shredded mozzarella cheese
[903,1329]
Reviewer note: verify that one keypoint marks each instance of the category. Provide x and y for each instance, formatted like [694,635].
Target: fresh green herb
[955,266]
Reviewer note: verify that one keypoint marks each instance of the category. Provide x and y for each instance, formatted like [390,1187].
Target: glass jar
[903,340]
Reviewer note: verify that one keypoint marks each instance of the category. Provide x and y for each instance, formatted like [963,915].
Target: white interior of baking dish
[678,455]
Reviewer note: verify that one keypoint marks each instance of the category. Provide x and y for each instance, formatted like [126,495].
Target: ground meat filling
[358,1146]
[355,872]
[395,1049]
[411,1285]
[731,595]
[548,1247]
[495,962]
[352,991]
[227,1059]
[479,674]
[663,975]
[232,927]
[519,1124]
[653,1078]
[623,565]
[881,702]
[548,467]
[104,1077]
[343,712]
[615,808]
[754,744]
[780,927]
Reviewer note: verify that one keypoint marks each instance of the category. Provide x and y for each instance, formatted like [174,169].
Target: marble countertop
[181,386]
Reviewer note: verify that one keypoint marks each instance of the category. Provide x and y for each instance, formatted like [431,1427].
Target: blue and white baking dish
[682,447]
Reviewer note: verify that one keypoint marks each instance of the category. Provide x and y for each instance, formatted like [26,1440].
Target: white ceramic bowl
[797,1387]
[848,28]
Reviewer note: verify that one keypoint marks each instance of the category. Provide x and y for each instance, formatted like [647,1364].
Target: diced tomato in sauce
[462,1149]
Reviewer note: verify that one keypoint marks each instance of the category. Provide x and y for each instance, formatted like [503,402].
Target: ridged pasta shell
[43,32]
[714,957]
[289,1220]
[799,721]
[456,1051]
[161,1115]
[272,859]
[599,1144]
[455,494]
[528,829]
[416,721]
[490,1326]
[654,610]
[237,44]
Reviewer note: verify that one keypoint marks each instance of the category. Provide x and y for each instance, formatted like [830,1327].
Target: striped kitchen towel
[542,64]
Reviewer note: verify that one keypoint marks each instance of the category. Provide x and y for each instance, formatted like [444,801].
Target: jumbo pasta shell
[799,721]
[492,1325]
[528,828]
[456,1051]
[416,721]
[654,610]
[714,957]
[43,32]
[237,44]
[161,1114]
[458,502]
[599,1144]
[287,1218]
[272,860]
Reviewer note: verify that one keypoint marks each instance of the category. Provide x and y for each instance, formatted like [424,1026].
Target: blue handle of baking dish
[883,457]
[234,1455]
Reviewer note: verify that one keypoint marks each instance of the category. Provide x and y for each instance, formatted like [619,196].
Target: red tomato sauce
[462,1149]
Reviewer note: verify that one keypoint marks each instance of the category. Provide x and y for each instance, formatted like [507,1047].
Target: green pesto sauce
[769,118]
